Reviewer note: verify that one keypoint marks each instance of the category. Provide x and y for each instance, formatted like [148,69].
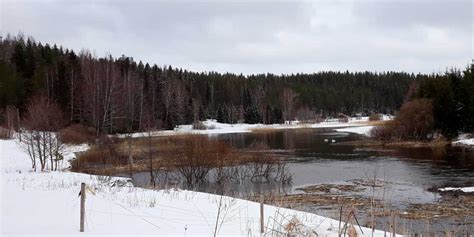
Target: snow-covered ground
[464,189]
[465,139]
[47,203]
[363,130]
[215,127]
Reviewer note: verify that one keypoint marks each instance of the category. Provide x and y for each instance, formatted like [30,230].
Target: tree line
[441,106]
[122,95]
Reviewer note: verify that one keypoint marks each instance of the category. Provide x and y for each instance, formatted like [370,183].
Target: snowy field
[215,127]
[35,203]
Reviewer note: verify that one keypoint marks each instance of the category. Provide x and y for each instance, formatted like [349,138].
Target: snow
[215,127]
[47,203]
[465,189]
[363,130]
[465,139]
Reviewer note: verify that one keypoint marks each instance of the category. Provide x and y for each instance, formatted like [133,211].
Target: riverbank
[211,127]
[47,203]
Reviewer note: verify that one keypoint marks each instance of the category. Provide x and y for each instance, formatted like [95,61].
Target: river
[397,177]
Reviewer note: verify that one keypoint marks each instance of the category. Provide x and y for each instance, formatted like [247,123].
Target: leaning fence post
[83,204]
[262,223]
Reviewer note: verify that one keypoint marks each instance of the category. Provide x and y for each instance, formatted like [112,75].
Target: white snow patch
[465,189]
[465,139]
[363,130]
[215,127]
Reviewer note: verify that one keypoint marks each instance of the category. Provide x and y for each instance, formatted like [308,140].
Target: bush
[103,155]
[414,121]
[77,134]
[375,117]
[5,133]
[198,125]
[385,132]
[198,156]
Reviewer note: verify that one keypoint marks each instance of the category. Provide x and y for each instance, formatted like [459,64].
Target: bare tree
[260,100]
[99,92]
[149,126]
[174,94]
[287,99]
[43,117]
[196,108]
[12,123]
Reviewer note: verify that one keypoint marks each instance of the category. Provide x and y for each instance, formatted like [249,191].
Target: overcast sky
[256,37]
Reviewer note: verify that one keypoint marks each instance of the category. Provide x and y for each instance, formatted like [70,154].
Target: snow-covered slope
[48,203]
[215,127]
[363,130]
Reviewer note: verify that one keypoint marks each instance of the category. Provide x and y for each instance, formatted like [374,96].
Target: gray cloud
[257,37]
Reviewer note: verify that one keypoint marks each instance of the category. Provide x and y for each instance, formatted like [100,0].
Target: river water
[314,157]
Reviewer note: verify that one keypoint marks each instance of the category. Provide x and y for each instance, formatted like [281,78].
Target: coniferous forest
[119,94]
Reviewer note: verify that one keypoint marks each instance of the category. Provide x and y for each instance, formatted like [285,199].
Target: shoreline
[214,128]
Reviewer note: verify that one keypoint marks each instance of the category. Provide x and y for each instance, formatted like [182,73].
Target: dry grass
[375,117]
[168,153]
[376,123]
[451,206]
[77,134]
[299,201]
[327,188]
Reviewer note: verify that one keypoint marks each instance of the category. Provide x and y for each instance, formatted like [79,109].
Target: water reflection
[312,158]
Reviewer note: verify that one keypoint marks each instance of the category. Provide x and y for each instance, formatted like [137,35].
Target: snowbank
[465,139]
[48,203]
[465,189]
[215,127]
[363,130]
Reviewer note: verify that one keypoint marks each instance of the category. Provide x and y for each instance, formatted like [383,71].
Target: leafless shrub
[306,114]
[197,158]
[9,122]
[199,125]
[384,132]
[375,117]
[104,154]
[415,121]
[265,167]
[5,133]
[42,119]
[77,134]
[282,174]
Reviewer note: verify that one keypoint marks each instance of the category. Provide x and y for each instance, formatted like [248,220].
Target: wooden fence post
[393,223]
[262,223]
[83,204]
[339,233]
